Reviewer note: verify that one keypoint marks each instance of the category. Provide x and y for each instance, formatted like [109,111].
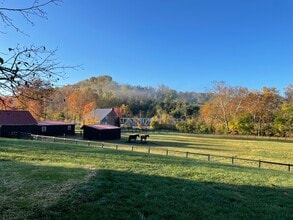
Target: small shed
[55,128]
[15,123]
[101,132]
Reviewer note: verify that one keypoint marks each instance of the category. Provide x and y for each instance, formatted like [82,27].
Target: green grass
[263,149]
[40,180]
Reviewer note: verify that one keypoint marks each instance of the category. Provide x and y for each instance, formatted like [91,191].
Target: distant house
[55,128]
[101,132]
[107,116]
[14,123]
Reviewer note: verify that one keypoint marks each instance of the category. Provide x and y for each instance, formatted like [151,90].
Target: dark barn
[101,132]
[16,123]
[55,128]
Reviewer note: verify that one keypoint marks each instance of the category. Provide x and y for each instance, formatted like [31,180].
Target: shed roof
[48,123]
[10,117]
[101,127]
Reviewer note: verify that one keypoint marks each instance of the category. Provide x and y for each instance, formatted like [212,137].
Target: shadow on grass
[48,192]
[26,187]
[123,195]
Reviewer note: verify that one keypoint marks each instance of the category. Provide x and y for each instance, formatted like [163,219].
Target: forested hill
[105,84]
[73,101]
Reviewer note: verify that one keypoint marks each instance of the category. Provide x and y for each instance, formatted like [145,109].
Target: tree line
[223,110]
[236,110]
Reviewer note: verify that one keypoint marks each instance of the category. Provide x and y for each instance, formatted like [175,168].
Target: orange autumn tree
[80,101]
[86,110]
[6,103]
[34,98]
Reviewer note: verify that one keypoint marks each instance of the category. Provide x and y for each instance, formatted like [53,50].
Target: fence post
[259,164]
[149,150]
[116,147]
[289,167]
[232,160]
[186,154]
[167,152]
[54,139]
[209,157]
[131,148]
[102,145]
[88,143]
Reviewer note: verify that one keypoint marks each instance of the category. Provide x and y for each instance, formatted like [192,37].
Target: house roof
[101,127]
[9,117]
[48,123]
[100,114]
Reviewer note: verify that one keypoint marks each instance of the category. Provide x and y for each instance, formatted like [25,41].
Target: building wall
[110,119]
[96,134]
[56,130]
[16,130]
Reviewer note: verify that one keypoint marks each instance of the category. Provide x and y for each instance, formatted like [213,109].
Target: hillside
[71,101]
[105,84]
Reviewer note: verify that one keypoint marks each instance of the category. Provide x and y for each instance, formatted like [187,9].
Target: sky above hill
[183,44]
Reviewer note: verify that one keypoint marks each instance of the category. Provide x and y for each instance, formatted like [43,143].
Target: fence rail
[150,150]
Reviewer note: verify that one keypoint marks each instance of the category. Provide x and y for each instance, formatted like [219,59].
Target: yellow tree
[226,103]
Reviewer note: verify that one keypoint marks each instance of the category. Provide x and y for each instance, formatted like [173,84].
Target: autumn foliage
[224,110]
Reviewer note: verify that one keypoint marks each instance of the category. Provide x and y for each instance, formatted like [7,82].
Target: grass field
[249,148]
[41,180]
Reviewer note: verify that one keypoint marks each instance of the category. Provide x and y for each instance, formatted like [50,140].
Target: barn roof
[48,123]
[10,117]
[100,114]
[101,127]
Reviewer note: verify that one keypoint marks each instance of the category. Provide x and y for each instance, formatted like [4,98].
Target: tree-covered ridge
[71,102]
[105,84]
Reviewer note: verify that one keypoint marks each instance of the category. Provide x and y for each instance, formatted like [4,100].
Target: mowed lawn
[41,180]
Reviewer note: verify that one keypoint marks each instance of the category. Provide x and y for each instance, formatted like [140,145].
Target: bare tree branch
[23,68]
[26,64]
[35,9]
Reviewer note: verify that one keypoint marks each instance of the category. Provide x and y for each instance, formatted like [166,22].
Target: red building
[55,128]
[101,132]
[15,123]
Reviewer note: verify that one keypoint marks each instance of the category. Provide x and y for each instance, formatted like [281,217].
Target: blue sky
[183,44]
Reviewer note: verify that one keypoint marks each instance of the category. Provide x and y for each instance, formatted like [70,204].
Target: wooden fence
[159,151]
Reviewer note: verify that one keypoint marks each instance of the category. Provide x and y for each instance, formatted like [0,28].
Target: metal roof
[100,114]
[10,117]
[102,127]
[48,123]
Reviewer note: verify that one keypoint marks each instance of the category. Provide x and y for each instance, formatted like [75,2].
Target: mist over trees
[73,101]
